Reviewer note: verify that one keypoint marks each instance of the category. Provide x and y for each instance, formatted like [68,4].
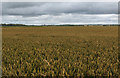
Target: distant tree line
[13,24]
[61,25]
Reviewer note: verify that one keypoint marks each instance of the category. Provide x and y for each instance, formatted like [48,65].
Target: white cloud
[64,19]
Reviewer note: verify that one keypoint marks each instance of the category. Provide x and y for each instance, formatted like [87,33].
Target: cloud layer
[59,12]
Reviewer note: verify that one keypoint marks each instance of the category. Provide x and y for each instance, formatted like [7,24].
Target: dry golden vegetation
[60,51]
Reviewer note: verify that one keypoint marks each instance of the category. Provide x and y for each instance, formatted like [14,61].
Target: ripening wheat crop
[60,51]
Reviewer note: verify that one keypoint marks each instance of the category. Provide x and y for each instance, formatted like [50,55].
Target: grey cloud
[60,12]
[12,5]
[57,8]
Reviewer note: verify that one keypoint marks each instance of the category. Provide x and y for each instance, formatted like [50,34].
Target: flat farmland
[60,51]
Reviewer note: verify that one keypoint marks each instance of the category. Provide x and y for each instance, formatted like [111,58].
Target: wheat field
[60,51]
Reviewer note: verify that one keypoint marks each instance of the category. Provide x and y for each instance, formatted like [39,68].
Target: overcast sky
[60,12]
